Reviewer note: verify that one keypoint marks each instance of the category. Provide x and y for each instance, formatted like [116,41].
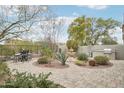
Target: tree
[15,20]
[108,41]
[51,29]
[72,44]
[77,30]
[102,28]
[88,31]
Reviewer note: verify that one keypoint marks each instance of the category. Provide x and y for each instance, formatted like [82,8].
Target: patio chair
[25,55]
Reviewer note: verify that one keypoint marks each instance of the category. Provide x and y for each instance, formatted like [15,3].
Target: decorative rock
[75,76]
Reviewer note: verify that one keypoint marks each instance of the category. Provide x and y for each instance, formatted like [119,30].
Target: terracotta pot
[92,62]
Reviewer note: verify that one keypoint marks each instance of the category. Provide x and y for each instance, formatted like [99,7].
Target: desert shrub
[92,62]
[28,80]
[2,59]
[72,44]
[6,51]
[62,57]
[101,60]
[46,51]
[3,69]
[83,57]
[80,63]
[4,72]
[43,60]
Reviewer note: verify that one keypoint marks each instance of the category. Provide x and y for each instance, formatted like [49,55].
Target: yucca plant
[62,57]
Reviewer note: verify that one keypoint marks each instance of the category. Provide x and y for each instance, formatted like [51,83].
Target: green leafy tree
[88,31]
[77,30]
[108,41]
[72,44]
[100,27]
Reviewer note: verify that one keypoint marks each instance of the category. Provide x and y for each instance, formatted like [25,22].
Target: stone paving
[79,77]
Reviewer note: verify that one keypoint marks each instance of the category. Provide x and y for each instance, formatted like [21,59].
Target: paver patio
[76,76]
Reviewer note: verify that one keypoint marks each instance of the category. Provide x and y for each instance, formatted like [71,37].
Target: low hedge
[43,60]
[101,60]
[83,57]
[80,63]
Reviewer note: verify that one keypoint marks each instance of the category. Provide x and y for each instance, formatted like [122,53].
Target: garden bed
[86,65]
[96,62]
[53,64]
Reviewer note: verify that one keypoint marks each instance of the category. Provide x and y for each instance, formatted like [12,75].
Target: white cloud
[97,7]
[117,33]
[67,20]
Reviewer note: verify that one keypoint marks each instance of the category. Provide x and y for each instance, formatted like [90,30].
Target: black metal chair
[24,55]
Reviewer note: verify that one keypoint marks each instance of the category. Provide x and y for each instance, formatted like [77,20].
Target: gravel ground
[79,77]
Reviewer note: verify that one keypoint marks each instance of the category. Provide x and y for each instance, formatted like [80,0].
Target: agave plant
[62,57]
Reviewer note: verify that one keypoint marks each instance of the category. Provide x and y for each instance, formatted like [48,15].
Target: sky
[69,12]
[115,11]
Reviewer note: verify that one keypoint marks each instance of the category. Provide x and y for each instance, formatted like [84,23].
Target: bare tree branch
[14,19]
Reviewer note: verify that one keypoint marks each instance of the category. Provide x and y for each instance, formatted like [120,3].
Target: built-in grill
[107,51]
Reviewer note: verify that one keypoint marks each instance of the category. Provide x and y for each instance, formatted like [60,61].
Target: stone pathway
[76,76]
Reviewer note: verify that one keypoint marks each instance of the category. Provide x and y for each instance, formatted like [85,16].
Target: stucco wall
[117,50]
[62,47]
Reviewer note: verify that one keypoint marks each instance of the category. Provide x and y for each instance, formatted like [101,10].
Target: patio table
[17,57]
